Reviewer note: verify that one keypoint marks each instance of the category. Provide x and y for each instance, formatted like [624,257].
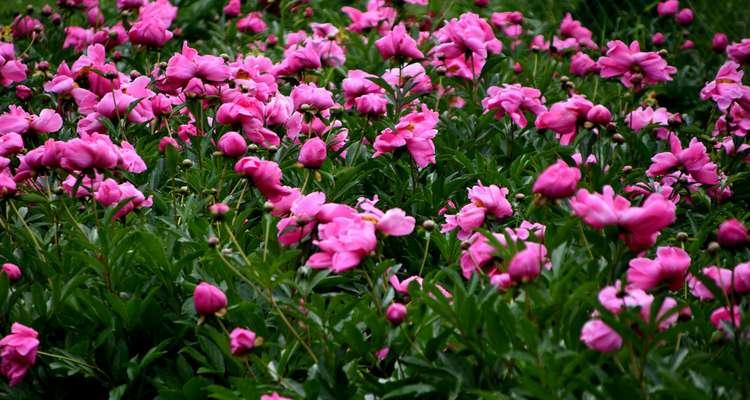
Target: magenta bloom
[723,316]
[557,181]
[252,23]
[233,8]
[598,336]
[719,42]
[581,64]
[573,35]
[563,118]
[514,100]
[658,39]
[150,32]
[670,267]
[727,87]
[396,313]
[731,233]
[636,69]
[667,8]
[18,352]
[393,222]
[485,200]
[11,271]
[188,64]
[722,277]
[241,341]
[218,209]
[377,16]
[527,263]
[642,224]
[313,153]
[464,45]
[398,43]
[208,299]
[684,17]
[415,131]
[266,176]
[693,159]
[232,144]
[343,242]
[17,120]
[309,96]
[11,69]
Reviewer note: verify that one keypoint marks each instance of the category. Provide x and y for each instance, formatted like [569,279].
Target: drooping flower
[514,100]
[635,68]
[18,352]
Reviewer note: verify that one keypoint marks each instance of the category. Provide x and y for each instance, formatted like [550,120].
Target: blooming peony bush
[374,199]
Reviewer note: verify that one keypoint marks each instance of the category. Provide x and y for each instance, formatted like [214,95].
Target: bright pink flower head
[415,131]
[581,64]
[396,313]
[598,210]
[644,116]
[218,209]
[252,23]
[398,43]
[233,8]
[670,267]
[208,299]
[742,278]
[91,151]
[667,8]
[313,153]
[308,95]
[393,222]
[514,100]
[727,87]
[266,176]
[684,17]
[635,68]
[149,32]
[343,242]
[563,118]
[232,144]
[557,181]
[527,263]
[574,35]
[12,271]
[694,159]
[241,341]
[731,233]
[492,198]
[599,114]
[18,352]
[658,39]
[377,15]
[464,45]
[719,42]
[722,277]
[598,336]
[726,316]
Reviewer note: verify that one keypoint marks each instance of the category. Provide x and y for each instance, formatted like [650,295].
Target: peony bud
[208,299]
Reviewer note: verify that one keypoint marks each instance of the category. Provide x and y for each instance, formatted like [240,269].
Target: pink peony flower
[415,131]
[684,17]
[241,341]
[636,69]
[670,267]
[464,45]
[208,299]
[233,8]
[11,271]
[396,313]
[667,8]
[266,176]
[232,144]
[398,43]
[514,100]
[693,159]
[252,23]
[722,277]
[376,16]
[557,181]
[731,233]
[344,242]
[313,153]
[309,96]
[598,336]
[719,42]
[726,316]
[18,354]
